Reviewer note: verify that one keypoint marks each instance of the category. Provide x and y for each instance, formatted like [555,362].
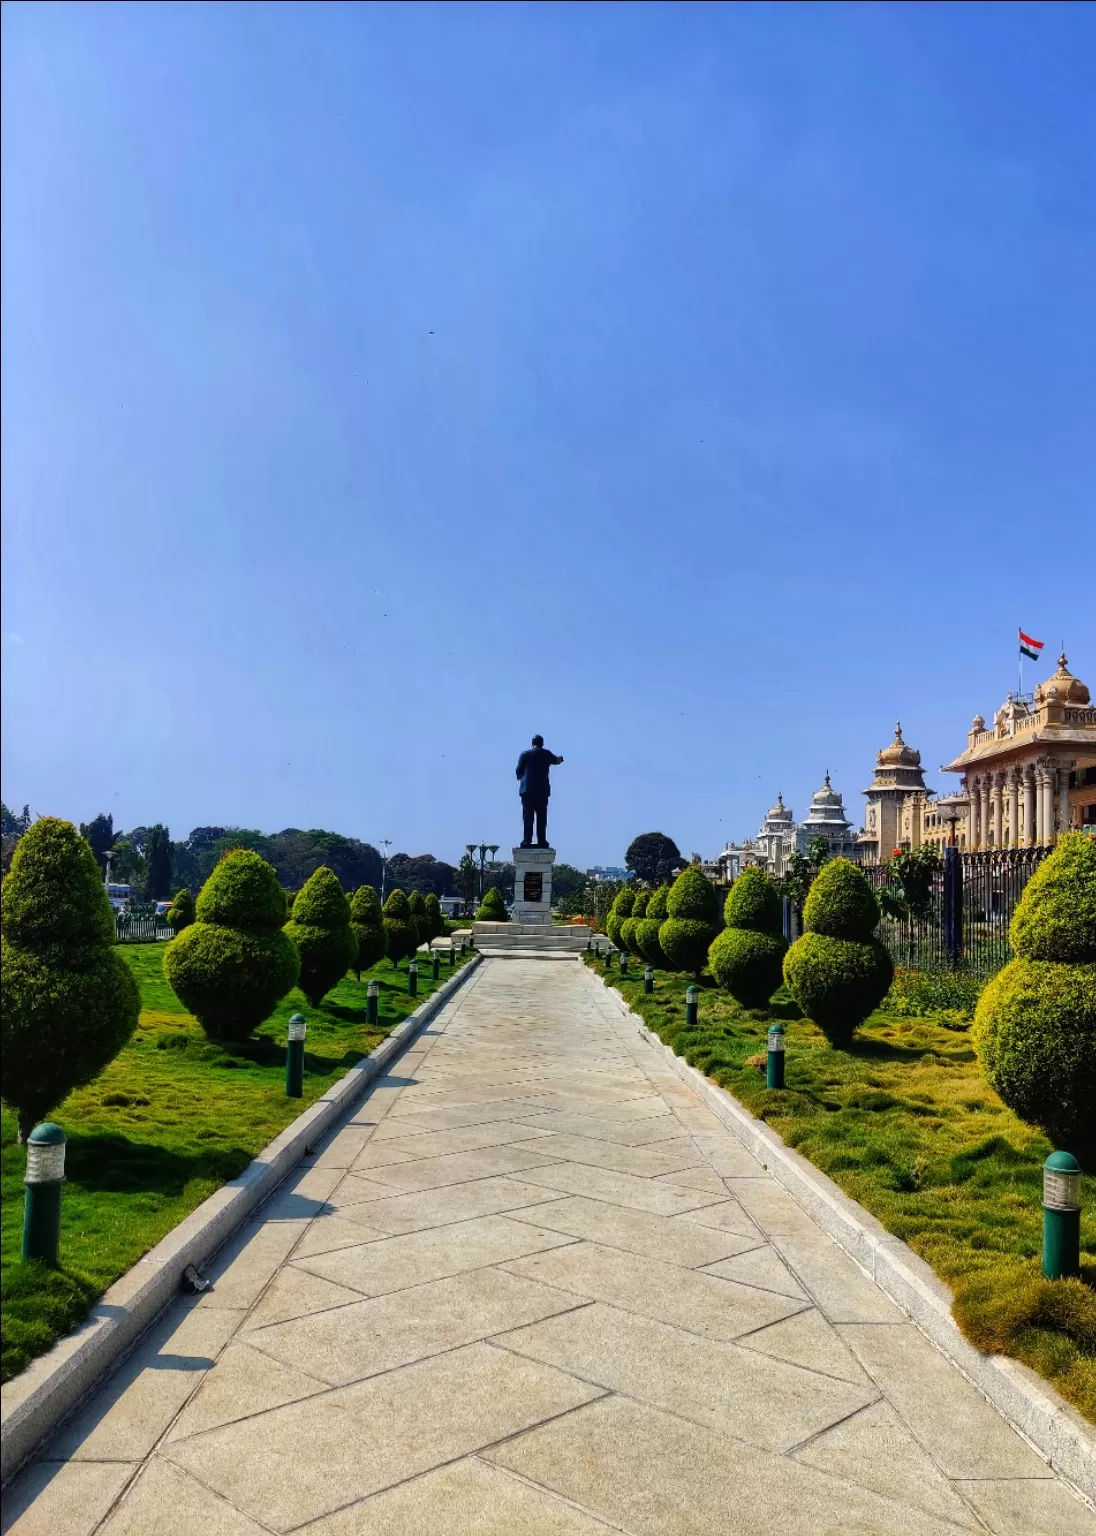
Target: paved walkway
[535,1286]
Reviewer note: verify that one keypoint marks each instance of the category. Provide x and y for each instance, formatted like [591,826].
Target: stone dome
[779,812]
[827,795]
[898,755]
[1063,687]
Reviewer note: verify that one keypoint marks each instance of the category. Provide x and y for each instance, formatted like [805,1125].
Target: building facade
[898,800]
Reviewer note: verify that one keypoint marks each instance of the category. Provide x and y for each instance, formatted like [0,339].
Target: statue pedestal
[533,885]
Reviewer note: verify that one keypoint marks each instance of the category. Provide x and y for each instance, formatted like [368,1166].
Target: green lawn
[906,1125]
[171,1119]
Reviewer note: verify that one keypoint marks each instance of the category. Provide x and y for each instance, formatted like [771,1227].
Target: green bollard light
[42,1209]
[413,979]
[774,1065]
[648,981]
[692,999]
[436,965]
[294,1057]
[372,1001]
[1061,1216]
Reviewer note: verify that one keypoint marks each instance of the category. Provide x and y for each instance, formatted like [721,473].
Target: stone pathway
[535,1286]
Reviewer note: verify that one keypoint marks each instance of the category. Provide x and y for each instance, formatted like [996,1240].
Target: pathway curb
[51,1387]
[1056,1430]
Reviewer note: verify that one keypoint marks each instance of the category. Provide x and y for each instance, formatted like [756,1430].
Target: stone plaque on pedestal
[533,885]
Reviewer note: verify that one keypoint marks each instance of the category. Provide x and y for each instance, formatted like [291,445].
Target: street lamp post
[386,843]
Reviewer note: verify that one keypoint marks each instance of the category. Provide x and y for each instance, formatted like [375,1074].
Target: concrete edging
[51,1387]
[1057,1431]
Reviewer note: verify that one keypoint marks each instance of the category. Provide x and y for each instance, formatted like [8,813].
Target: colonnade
[1022,806]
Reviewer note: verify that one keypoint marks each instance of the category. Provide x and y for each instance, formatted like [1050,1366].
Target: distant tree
[12,828]
[320,928]
[127,866]
[467,881]
[818,853]
[502,876]
[566,881]
[653,857]
[422,872]
[158,863]
[99,834]
[69,1000]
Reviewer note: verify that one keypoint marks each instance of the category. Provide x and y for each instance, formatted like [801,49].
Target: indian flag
[1029,647]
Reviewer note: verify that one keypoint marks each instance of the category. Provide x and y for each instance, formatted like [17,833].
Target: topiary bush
[69,1000]
[417,904]
[320,928]
[630,923]
[1035,1024]
[367,923]
[646,934]
[401,934]
[692,921]
[435,920]
[492,908]
[181,913]
[235,962]
[747,958]
[620,909]
[838,972]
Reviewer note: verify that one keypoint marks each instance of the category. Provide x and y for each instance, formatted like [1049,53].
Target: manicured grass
[906,1125]
[170,1120]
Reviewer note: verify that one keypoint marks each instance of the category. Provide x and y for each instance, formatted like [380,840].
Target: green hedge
[320,928]
[367,923]
[400,930]
[620,909]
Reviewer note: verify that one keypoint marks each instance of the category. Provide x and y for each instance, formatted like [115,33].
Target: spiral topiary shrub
[401,933]
[367,923]
[747,958]
[320,928]
[232,965]
[1035,1024]
[620,909]
[492,908]
[631,922]
[838,972]
[181,913]
[646,934]
[435,920]
[692,921]
[69,1000]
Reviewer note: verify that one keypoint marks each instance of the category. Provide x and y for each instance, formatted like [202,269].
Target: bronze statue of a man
[532,772]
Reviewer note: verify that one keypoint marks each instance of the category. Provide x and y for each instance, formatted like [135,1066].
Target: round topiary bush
[838,972]
[631,922]
[181,913]
[367,923]
[401,934]
[692,921]
[492,908]
[320,928]
[646,934]
[235,963]
[747,958]
[435,920]
[417,903]
[69,1000]
[1035,1024]
[620,909]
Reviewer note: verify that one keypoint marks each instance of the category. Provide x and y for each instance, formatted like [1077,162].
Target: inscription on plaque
[533,886]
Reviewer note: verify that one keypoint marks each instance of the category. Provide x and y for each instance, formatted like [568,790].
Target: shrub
[69,1000]
[692,921]
[747,958]
[621,908]
[1035,1025]
[181,914]
[235,963]
[401,934]
[631,922]
[320,928]
[367,923]
[435,921]
[838,972]
[646,934]
[492,909]
[754,903]
[947,996]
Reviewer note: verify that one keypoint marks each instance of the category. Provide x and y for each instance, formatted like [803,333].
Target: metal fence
[140,930]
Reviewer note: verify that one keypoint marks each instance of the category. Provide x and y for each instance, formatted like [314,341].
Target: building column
[987,821]
[973,834]
[1028,831]
[1008,811]
[1042,797]
[1061,821]
[995,794]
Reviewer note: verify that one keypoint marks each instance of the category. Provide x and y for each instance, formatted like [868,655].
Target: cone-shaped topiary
[748,956]
[236,962]
[70,1001]
[620,909]
[492,908]
[646,934]
[838,972]
[320,928]
[401,934]
[628,926]
[181,913]
[418,915]
[368,924]
[1035,1024]
[692,921]
[435,921]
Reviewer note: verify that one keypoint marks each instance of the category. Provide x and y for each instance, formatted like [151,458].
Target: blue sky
[701,386]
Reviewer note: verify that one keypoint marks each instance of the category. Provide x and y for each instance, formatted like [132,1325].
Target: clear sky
[702,386]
